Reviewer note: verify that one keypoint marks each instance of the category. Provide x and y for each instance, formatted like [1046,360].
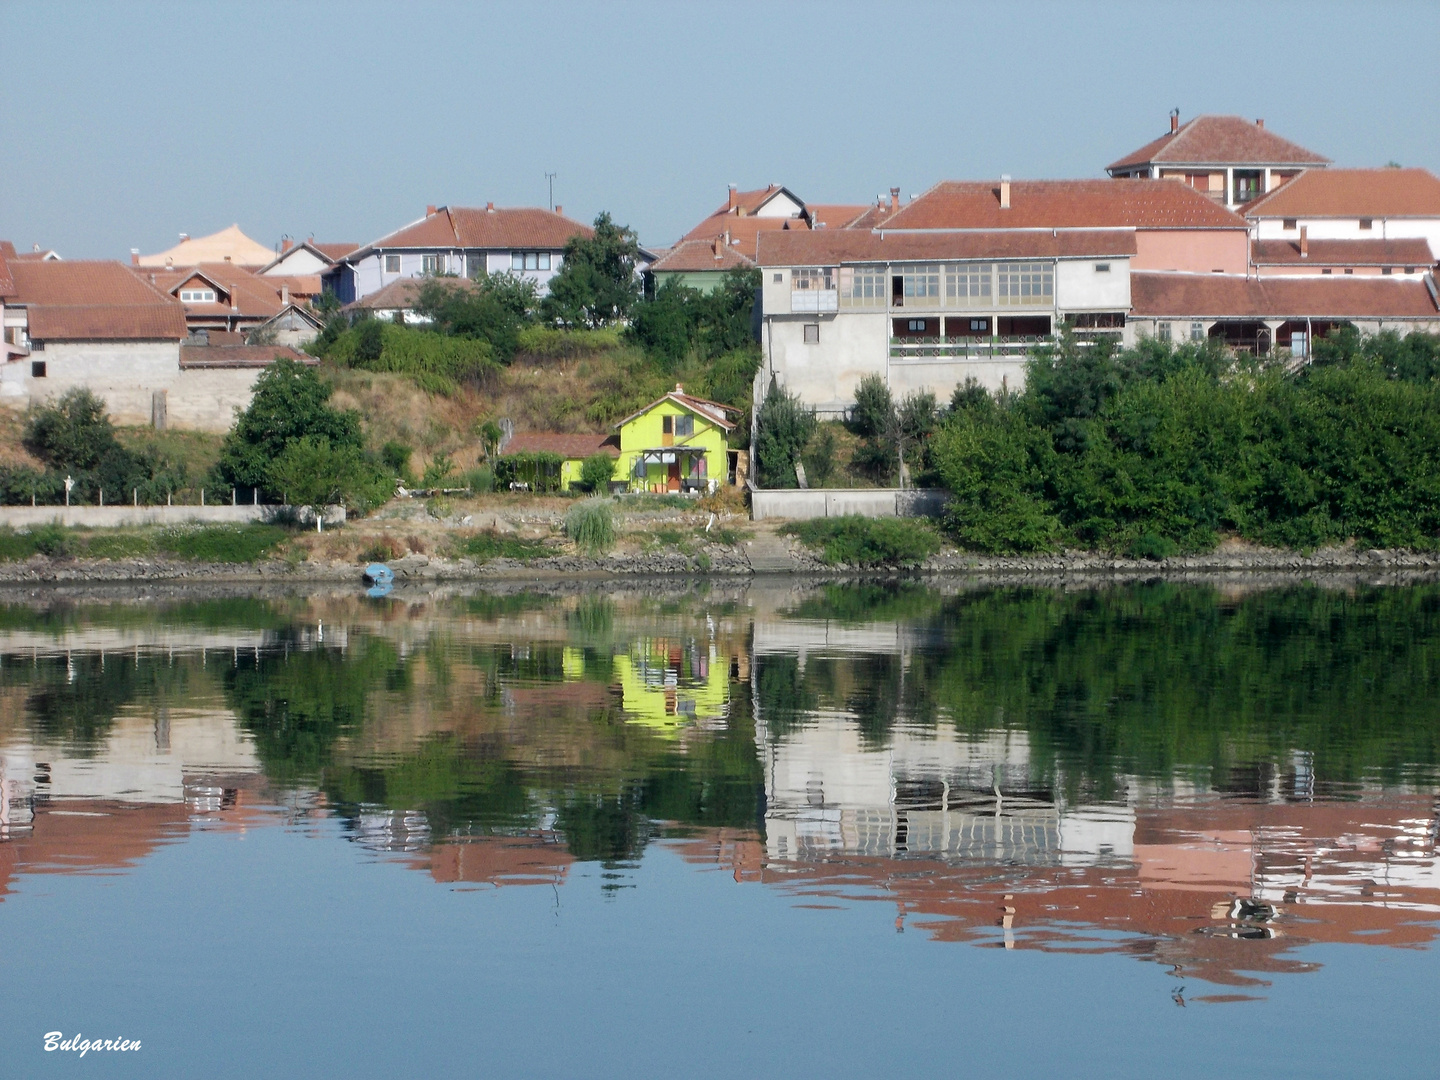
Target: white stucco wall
[1427,229]
[371,277]
[1080,287]
[296,263]
[851,346]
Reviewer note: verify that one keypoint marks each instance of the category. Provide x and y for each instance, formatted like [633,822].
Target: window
[862,286]
[812,333]
[779,277]
[1025,283]
[530,260]
[1409,269]
[979,326]
[392,264]
[1098,320]
[1367,223]
[812,288]
[37,369]
[1386,269]
[916,326]
[912,286]
[429,264]
[475,264]
[1102,268]
[1162,331]
[1288,223]
[1349,270]
[684,425]
[667,425]
[1197,331]
[968,286]
[1327,270]
[197,296]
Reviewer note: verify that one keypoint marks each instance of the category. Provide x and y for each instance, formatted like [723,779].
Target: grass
[210,543]
[485,546]
[860,541]
[591,525]
[227,544]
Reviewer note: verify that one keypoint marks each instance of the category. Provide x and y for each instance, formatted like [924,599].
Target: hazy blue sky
[124,125]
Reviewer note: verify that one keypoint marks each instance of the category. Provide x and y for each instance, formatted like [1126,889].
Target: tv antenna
[550,176]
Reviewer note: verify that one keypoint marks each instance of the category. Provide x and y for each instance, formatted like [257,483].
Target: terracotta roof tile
[692,256]
[566,445]
[333,251]
[1220,140]
[1062,204]
[834,216]
[250,294]
[93,300]
[106,322]
[1352,193]
[1227,295]
[478,227]
[1407,252]
[240,356]
[826,248]
[400,294]
[7,283]
[713,411]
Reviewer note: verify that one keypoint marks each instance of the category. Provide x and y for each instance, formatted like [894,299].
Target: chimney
[1005,192]
[234,302]
[559,209]
[430,211]
[1174,121]
[227,258]
[894,198]
[1260,123]
[729,198]
[134,256]
[1304,242]
[286,244]
[716,247]
[184,236]
[285,295]
[727,237]
[679,389]
[489,207]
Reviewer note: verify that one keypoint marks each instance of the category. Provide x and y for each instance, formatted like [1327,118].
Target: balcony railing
[967,348]
[817,300]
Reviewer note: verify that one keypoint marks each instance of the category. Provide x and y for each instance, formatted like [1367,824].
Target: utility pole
[550,176]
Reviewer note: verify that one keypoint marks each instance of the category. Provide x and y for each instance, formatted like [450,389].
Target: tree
[784,427]
[289,403]
[493,308]
[596,472]
[74,433]
[313,472]
[596,285]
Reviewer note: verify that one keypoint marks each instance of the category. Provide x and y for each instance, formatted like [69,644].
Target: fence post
[202,496]
[135,494]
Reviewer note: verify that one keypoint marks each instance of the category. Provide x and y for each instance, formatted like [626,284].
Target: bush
[438,471]
[480,479]
[436,363]
[784,428]
[492,545]
[540,469]
[225,544]
[819,456]
[860,541]
[596,472]
[312,472]
[591,526]
[53,540]
[396,456]
[552,343]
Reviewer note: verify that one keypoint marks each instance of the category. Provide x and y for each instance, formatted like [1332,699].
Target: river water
[719,830]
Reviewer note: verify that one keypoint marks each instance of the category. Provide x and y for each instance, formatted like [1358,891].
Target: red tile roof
[332,251]
[478,227]
[834,216]
[566,445]
[1062,204]
[1408,252]
[93,300]
[247,293]
[7,283]
[826,248]
[1352,193]
[1219,140]
[693,256]
[713,411]
[401,294]
[1231,296]
[240,356]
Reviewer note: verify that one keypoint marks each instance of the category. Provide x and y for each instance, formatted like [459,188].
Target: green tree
[784,427]
[596,472]
[73,433]
[289,403]
[596,284]
[493,308]
[313,472]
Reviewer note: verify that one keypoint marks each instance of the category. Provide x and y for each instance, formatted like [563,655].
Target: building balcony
[803,301]
[1009,347]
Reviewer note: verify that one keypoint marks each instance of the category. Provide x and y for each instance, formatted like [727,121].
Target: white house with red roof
[460,240]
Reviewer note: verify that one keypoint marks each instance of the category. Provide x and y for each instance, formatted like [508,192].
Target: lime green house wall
[646,432]
[702,281]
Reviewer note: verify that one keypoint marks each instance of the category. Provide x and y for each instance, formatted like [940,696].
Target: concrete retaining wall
[109,517]
[837,502]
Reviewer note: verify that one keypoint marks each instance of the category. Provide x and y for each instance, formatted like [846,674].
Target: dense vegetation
[853,540]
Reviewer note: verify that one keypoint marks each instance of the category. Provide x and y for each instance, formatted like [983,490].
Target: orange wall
[1196,250]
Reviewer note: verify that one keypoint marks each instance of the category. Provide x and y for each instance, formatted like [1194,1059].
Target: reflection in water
[1208,780]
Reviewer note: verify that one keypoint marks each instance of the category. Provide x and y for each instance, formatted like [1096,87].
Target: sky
[124,125]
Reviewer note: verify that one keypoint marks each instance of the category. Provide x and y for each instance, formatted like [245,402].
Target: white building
[459,240]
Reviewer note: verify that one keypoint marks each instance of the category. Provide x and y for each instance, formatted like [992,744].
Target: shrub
[552,343]
[540,469]
[861,541]
[596,472]
[434,362]
[591,526]
[226,544]
[396,456]
[438,471]
[492,545]
[784,428]
[819,456]
[480,479]
[382,550]
[312,472]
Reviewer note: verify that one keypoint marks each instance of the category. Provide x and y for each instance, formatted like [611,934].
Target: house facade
[225,298]
[459,240]
[1353,205]
[226,246]
[1226,158]
[676,443]
[305,259]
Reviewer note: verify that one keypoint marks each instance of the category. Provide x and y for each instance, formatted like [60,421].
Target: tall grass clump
[590,525]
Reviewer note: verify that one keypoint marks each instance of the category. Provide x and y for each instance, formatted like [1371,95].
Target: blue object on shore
[377,573]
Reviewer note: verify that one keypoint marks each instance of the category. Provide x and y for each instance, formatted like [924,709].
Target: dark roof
[1407,252]
[566,445]
[1352,193]
[1219,140]
[240,356]
[482,227]
[827,248]
[1232,296]
[93,301]
[1062,204]
[693,256]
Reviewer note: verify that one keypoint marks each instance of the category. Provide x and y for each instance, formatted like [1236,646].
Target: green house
[675,444]
[550,460]
[698,264]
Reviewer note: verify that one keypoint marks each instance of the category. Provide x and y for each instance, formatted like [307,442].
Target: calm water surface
[723,831]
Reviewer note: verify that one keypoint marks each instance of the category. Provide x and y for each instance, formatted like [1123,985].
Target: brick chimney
[134,256]
[1174,121]
[1260,123]
[894,198]
[559,209]
[1304,242]
[285,295]
[718,246]
[286,244]
[489,207]
[730,198]
[1005,192]
[430,211]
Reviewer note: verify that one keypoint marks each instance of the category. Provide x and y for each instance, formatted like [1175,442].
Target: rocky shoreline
[721,561]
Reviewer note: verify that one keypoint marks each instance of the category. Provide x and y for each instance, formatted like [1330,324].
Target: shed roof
[567,445]
[1232,296]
